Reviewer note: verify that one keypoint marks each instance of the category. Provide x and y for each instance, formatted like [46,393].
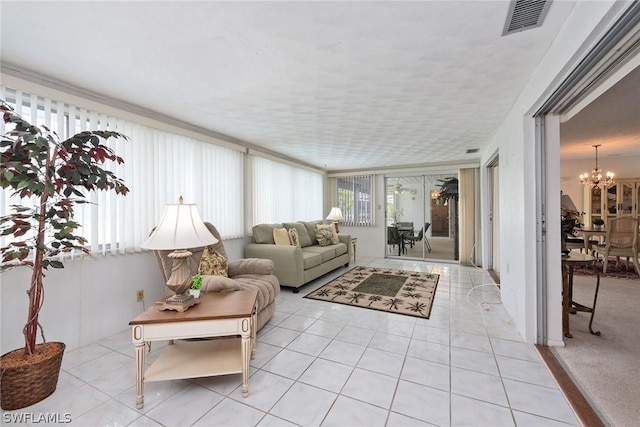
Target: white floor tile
[343,352]
[479,386]
[350,412]
[309,344]
[474,361]
[371,387]
[287,363]
[230,413]
[185,407]
[427,373]
[304,405]
[327,375]
[382,362]
[265,389]
[110,413]
[539,400]
[473,413]
[423,403]
[388,342]
[523,370]
[280,337]
[355,335]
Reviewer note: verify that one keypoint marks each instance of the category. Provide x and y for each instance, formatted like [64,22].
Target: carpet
[619,271]
[396,291]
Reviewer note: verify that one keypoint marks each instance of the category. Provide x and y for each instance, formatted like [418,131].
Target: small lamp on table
[335,215]
[180,227]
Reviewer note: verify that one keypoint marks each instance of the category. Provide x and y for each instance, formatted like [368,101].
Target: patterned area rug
[617,270]
[395,291]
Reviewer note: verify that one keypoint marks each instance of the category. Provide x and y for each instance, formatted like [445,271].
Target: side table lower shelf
[194,359]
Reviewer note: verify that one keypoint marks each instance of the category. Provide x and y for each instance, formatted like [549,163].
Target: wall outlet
[140,295]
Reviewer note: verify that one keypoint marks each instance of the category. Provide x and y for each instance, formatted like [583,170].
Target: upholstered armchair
[249,273]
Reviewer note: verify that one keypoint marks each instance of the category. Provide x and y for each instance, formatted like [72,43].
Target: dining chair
[621,240]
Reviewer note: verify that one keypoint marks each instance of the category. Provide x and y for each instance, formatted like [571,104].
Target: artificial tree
[34,163]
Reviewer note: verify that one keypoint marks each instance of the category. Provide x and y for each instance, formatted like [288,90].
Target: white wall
[515,142]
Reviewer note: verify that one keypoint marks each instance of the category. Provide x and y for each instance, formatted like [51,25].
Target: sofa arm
[251,266]
[346,239]
[288,261]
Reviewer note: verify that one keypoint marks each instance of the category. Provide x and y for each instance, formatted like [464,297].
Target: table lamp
[335,215]
[180,227]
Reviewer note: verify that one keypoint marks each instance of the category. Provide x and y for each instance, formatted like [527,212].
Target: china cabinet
[620,199]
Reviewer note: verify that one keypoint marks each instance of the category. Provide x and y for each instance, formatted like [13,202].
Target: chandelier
[594,179]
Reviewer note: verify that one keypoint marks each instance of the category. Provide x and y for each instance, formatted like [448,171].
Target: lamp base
[177,306]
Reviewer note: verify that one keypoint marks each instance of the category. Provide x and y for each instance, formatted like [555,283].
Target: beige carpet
[396,291]
[607,367]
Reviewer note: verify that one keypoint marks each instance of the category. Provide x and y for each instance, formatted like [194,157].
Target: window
[355,199]
[158,168]
[283,193]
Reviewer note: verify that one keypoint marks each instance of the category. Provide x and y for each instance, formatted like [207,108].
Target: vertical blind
[354,196]
[158,168]
[281,192]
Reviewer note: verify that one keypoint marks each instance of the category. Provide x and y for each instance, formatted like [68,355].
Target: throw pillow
[281,237]
[324,235]
[294,238]
[213,264]
[334,235]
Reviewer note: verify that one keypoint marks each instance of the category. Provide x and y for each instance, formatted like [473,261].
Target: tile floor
[326,364]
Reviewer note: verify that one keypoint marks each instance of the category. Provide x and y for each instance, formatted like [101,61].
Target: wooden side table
[219,314]
[568,305]
[354,245]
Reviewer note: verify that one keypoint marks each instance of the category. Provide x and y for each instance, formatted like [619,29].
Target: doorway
[420,218]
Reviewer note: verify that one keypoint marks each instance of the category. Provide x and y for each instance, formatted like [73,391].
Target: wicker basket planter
[29,382]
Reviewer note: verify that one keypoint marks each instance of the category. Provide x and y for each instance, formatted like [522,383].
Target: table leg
[566,302]
[140,354]
[593,307]
[254,323]
[246,354]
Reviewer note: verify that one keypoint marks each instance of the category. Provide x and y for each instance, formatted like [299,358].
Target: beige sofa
[296,266]
[243,274]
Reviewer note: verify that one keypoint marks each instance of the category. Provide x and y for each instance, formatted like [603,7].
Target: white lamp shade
[180,228]
[335,215]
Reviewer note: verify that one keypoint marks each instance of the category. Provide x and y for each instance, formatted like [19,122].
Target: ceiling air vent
[472,150]
[525,14]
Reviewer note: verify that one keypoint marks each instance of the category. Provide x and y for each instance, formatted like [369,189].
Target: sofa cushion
[324,236]
[332,229]
[303,234]
[263,233]
[341,248]
[311,259]
[326,252]
[311,229]
[281,236]
[213,264]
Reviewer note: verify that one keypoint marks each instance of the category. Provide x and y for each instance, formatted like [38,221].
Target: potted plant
[597,223]
[196,284]
[54,175]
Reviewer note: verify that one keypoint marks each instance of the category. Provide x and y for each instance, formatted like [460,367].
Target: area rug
[617,270]
[396,291]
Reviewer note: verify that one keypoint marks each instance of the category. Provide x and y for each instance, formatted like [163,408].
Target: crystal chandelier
[594,179]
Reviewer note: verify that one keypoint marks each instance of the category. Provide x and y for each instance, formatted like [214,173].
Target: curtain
[468,230]
[281,192]
[158,168]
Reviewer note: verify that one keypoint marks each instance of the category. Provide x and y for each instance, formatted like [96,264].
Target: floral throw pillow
[324,236]
[213,264]
[293,237]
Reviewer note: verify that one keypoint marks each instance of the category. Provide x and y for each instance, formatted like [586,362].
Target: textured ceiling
[339,85]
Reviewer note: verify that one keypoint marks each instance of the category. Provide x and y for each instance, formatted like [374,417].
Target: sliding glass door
[422,216]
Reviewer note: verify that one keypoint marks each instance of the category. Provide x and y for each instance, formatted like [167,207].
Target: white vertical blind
[354,196]
[282,193]
[158,168]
